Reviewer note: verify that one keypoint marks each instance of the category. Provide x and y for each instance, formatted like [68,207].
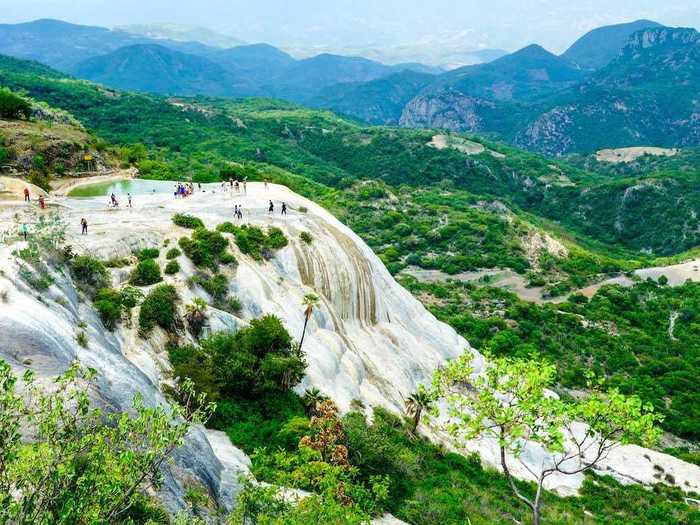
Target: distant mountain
[646,96]
[62,45]
[528,73]
[261,62]
[379,101]
[181,33]
[157,69]
[304,79]
[599,47]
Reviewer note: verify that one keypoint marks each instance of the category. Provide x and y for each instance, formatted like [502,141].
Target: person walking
[284,208]
[83,226]
[42,204]
[26,195]
[271,209]
[128,196]
[23,230]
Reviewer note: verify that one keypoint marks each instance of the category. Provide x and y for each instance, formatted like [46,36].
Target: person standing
[271,208]
[26,195]
[42,204]
[83,226]
[23,230]
[284,208]
[128,196]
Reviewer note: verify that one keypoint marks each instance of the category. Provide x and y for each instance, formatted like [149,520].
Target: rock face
[369,340]
[448,110]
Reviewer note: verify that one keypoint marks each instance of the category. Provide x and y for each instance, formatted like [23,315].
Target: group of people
[40,200]
[235,185]
[238,212]
[115,203]
[183,190]
[271,208]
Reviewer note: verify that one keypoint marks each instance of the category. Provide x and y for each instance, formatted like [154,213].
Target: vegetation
[83,466]
[13,106]
[187,221]
[206,249]
[172,267]
[112,304]
[621,334]
[89,272]
[509,402]
[159,308]
[147,272]
[253,241]
[173,253]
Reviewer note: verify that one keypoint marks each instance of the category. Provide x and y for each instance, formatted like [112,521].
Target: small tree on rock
[511,402]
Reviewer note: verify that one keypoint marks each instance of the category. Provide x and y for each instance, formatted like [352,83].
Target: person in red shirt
[26,194]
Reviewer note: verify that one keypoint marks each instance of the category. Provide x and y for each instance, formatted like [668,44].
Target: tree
[310,302]
[13,106]
[82,465]
[417,403]
[511,401]
[311,400]
[196,315]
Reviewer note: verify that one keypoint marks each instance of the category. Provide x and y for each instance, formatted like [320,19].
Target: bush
[148,253]
[253,241]
[147,272]
[13,106]
[90,272]
[188,221]
[257,360]
[216,286]
[173,253]
[205,248]
[159,309]
[110,304]
[306,237]
[172,267]
[40,179]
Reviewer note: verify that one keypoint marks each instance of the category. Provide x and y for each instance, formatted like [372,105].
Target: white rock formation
[369,340]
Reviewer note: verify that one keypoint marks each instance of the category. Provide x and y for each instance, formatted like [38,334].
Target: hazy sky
[507,24]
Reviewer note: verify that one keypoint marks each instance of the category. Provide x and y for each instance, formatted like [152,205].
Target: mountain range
[637,80]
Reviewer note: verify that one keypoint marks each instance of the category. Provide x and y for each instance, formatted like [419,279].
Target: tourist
[128,196]
[245,186]
[26,195]
[83,225]
[23,230]
[284,208]
[42,204]
[271,209]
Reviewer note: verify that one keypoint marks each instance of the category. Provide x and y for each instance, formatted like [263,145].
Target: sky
[358,24]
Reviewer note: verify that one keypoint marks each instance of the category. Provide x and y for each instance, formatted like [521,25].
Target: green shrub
[147,272]
[117,262]
[148,253]
[216,286]
[159,309]
[40,179]
[173,253]
[111,304]
[188,221]
[172,267]
[258,359]
[253,241]
[89,272]
[306,237]
[13,106]
[205,249]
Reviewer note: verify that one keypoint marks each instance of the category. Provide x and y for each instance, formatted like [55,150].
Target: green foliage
[111,304]
[215,285]
[206,249]
[253,241]
[83,466]
[89,272]
[172,267]
[148,253]
[159,308]
[621,334]
[147,272]
[40,179]
[306,237]
[257,360]
[13,106]
[173,253]
[187,221]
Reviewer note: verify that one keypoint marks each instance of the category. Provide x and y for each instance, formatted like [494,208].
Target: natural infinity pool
[121,187]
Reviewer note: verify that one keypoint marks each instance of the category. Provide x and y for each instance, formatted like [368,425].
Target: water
[121,187]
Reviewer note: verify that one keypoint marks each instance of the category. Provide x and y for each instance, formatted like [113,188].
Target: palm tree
[311,399]
[310,302]
[416,404]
